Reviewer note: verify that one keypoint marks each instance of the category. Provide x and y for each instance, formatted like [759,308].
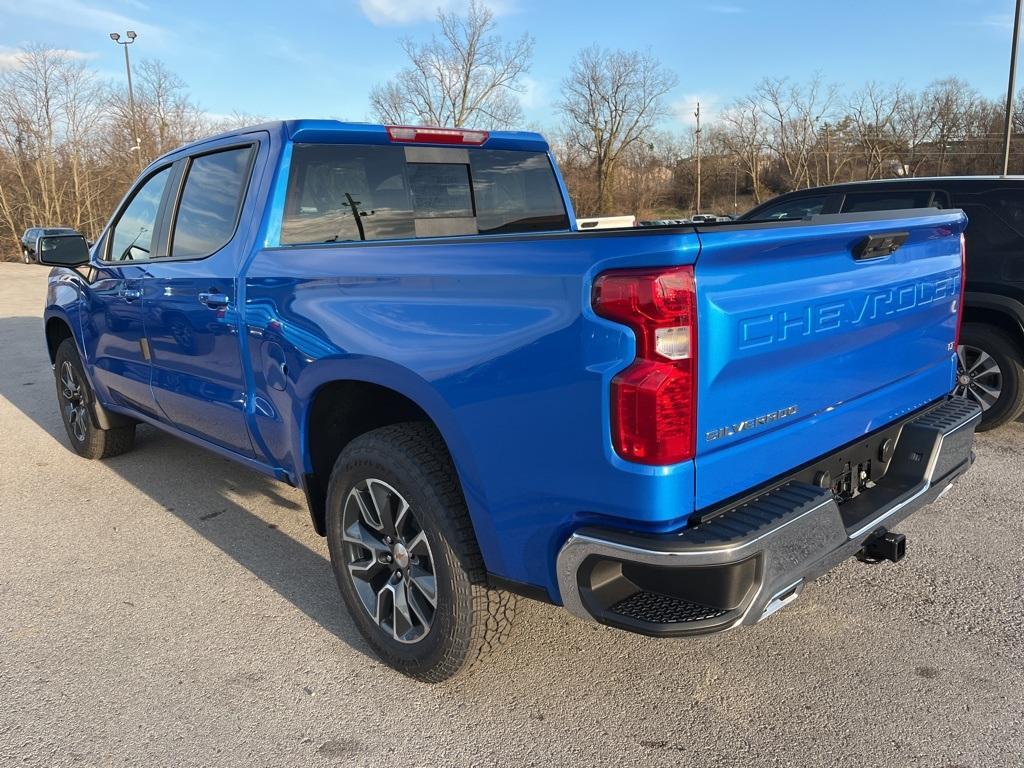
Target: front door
[113,326]
[191,303]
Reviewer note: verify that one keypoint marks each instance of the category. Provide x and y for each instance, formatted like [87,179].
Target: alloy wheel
[978,376]
[389,561]
[74,401]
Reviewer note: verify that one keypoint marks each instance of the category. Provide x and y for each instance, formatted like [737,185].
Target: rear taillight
[963,289]
[654,400]
[415,134]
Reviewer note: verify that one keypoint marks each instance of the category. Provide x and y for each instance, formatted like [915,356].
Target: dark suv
[992,340]
[31,237]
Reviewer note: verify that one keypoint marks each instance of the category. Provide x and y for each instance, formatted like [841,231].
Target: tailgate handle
[879,246]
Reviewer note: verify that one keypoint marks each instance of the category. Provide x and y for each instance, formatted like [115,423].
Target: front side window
[339,192]
[788,210]
[132,236]
[210,202]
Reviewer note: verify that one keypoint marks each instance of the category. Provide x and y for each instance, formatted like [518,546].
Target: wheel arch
[58,328]
[345,398]
[995,310]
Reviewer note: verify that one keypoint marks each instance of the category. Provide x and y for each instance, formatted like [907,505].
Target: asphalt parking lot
[168,607]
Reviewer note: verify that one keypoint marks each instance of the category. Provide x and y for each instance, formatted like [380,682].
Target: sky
[319,58]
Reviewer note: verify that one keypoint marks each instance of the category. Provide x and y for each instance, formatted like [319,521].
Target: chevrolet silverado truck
[670,430]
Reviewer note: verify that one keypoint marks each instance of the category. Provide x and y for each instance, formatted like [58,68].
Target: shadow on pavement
[196,486]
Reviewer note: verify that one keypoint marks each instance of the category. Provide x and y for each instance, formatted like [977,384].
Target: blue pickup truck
[669,430]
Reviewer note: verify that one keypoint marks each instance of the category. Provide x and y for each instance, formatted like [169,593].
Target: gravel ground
[170,608]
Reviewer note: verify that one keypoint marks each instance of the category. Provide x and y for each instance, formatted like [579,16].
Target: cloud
[74,13]
[684,107]
[1002,21]
[534,93]
[10,58]
[396,12]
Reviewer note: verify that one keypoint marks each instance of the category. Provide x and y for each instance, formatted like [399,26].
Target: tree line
[69,148]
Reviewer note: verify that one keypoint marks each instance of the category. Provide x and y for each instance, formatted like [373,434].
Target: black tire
[75,402]
[469,619]
[1006,353]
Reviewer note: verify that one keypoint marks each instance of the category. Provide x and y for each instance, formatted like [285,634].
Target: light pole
[1010,87]
[131,95]
[696,134]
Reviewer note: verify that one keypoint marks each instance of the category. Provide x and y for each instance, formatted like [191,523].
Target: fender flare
[997,303]
[409,384]
[101,417]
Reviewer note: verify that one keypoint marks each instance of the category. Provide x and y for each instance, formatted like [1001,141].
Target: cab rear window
[339,193]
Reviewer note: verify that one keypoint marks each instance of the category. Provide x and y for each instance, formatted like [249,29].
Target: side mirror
[63,251]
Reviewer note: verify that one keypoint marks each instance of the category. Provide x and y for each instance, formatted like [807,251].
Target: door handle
[214,300]
[131,294]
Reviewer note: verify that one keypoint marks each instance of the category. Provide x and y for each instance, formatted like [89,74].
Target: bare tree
[913,124]
[793,114]
[744,135]
[873,112]
[65,144]
[612,101]
[466,77]
[951,101]
[646,174]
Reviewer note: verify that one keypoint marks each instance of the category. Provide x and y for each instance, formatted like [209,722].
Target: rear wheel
[405,557]
[75,398]
[990,372]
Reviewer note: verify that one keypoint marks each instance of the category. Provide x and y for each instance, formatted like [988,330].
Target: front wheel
[990,372]
[25,256]
[405,557]
[75,398]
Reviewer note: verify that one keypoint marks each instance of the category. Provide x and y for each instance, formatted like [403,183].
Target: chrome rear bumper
[749,560]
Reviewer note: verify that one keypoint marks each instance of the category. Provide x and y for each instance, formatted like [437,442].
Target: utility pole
[697,147]
[1010,88]
[828,156]
[131,95]
[735,188]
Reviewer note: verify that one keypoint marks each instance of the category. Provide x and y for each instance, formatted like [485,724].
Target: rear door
[192,319]
[995,238]
[803,345]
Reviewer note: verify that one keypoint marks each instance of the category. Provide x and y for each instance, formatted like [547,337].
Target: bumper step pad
[655,608]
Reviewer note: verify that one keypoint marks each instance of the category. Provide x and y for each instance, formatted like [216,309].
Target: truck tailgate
[803,345]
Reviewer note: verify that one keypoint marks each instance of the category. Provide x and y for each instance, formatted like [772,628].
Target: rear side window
[800,208]
[210,202]
[1008,205]
[340,192]
[860,202]
[986,230]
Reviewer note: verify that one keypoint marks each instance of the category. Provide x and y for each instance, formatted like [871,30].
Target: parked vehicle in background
[661,222]
[991,351]
[667,430]
[606,222]
[30,239]
[991,348]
